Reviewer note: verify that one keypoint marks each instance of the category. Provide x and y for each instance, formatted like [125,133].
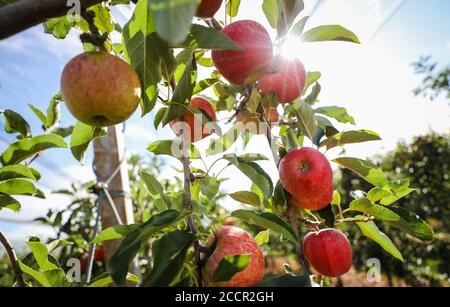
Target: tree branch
[188,206]
[25,14]
[13,258]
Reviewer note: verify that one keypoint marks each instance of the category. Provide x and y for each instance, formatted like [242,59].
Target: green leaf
[63,131]
[105,279]
[255,173]
[412,224]
[370,230]
[306,120]
[217,146]
[114,232]
[82,136]
[173,18]
[339,114]
[53,112]
[268,221]
[39,277]
[367,170]
[147,53]
[18,171]
[183,92]
[233,7]
[297,29]
[102,18]
[398,191]
[246,197]
[379,212]
[313,77]
[159,116]
[230,266]
[330,33]
[201,37]
[169,255]
[8,202]
[313,96]
[262,237]
[336,201]
[14,122]
[350,137]
[26,148]
[39,114]
[209,187]
[395,216]
[50,273]
[270,9]
[19,187]
[172,148]
[135,239]
[40,253]
[156,191]
[59,27]
[204,84]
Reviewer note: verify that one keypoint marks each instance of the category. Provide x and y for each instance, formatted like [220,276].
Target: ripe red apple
[197,128]
[207,8]
[328,251]
[100,89]
[245,66]
[287,81]
[233,241]
[252,122]
[306,174]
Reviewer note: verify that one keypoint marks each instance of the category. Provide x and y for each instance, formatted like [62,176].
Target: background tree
[426,163]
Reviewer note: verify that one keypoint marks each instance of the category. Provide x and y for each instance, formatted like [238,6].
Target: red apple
[328,251]
[207,8]
[287,81]
[194,122]
[245,66]
[233,241]
[306,174]
[251,122]
[100,89]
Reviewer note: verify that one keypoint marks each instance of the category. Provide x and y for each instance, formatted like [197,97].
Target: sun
[291,47]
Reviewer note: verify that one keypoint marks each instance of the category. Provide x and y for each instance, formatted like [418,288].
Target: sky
[374,81]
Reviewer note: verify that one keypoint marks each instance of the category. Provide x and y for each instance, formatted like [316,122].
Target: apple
[251,122]
[194,122]
[307,175]
[328,251]
[100,89]
[245,66]
[287,81]
[207,8]
[231,241]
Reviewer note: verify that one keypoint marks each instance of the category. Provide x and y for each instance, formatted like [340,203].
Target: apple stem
[188,206]
[13,258]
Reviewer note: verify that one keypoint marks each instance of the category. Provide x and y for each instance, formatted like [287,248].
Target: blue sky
[373,81]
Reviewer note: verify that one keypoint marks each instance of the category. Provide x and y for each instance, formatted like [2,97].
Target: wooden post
[108,154]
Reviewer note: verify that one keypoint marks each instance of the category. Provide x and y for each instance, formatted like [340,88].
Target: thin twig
[13,258]
[188,206]
[292,217]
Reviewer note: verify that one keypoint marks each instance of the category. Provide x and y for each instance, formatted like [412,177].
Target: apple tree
[254,91]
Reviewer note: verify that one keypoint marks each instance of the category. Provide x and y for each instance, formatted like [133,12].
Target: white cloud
[448,45]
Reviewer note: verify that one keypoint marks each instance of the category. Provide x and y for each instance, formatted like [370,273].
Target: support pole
[108,154]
